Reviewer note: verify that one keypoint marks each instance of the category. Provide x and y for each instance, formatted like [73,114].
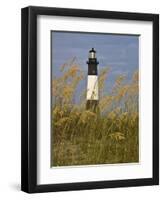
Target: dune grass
[84,137]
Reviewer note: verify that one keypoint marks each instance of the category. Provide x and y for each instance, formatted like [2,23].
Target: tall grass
[83,137]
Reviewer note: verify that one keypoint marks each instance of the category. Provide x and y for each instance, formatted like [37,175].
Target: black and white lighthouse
[92,82]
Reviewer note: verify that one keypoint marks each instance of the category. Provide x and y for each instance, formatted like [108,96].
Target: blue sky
[118,52]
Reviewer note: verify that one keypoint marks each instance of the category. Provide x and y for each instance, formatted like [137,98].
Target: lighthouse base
[92,105]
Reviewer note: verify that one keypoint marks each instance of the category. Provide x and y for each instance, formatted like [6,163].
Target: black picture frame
[29,99]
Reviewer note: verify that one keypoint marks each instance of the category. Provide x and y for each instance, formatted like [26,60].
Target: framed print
[90,99]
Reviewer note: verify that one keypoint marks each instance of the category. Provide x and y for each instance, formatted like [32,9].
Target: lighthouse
[92,98]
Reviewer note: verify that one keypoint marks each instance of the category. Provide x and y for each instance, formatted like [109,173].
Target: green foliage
[83,137]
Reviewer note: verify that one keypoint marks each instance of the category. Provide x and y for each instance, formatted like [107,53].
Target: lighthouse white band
[92,87]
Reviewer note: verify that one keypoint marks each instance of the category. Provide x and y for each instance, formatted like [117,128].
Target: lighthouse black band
[92,67]
[92,104]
